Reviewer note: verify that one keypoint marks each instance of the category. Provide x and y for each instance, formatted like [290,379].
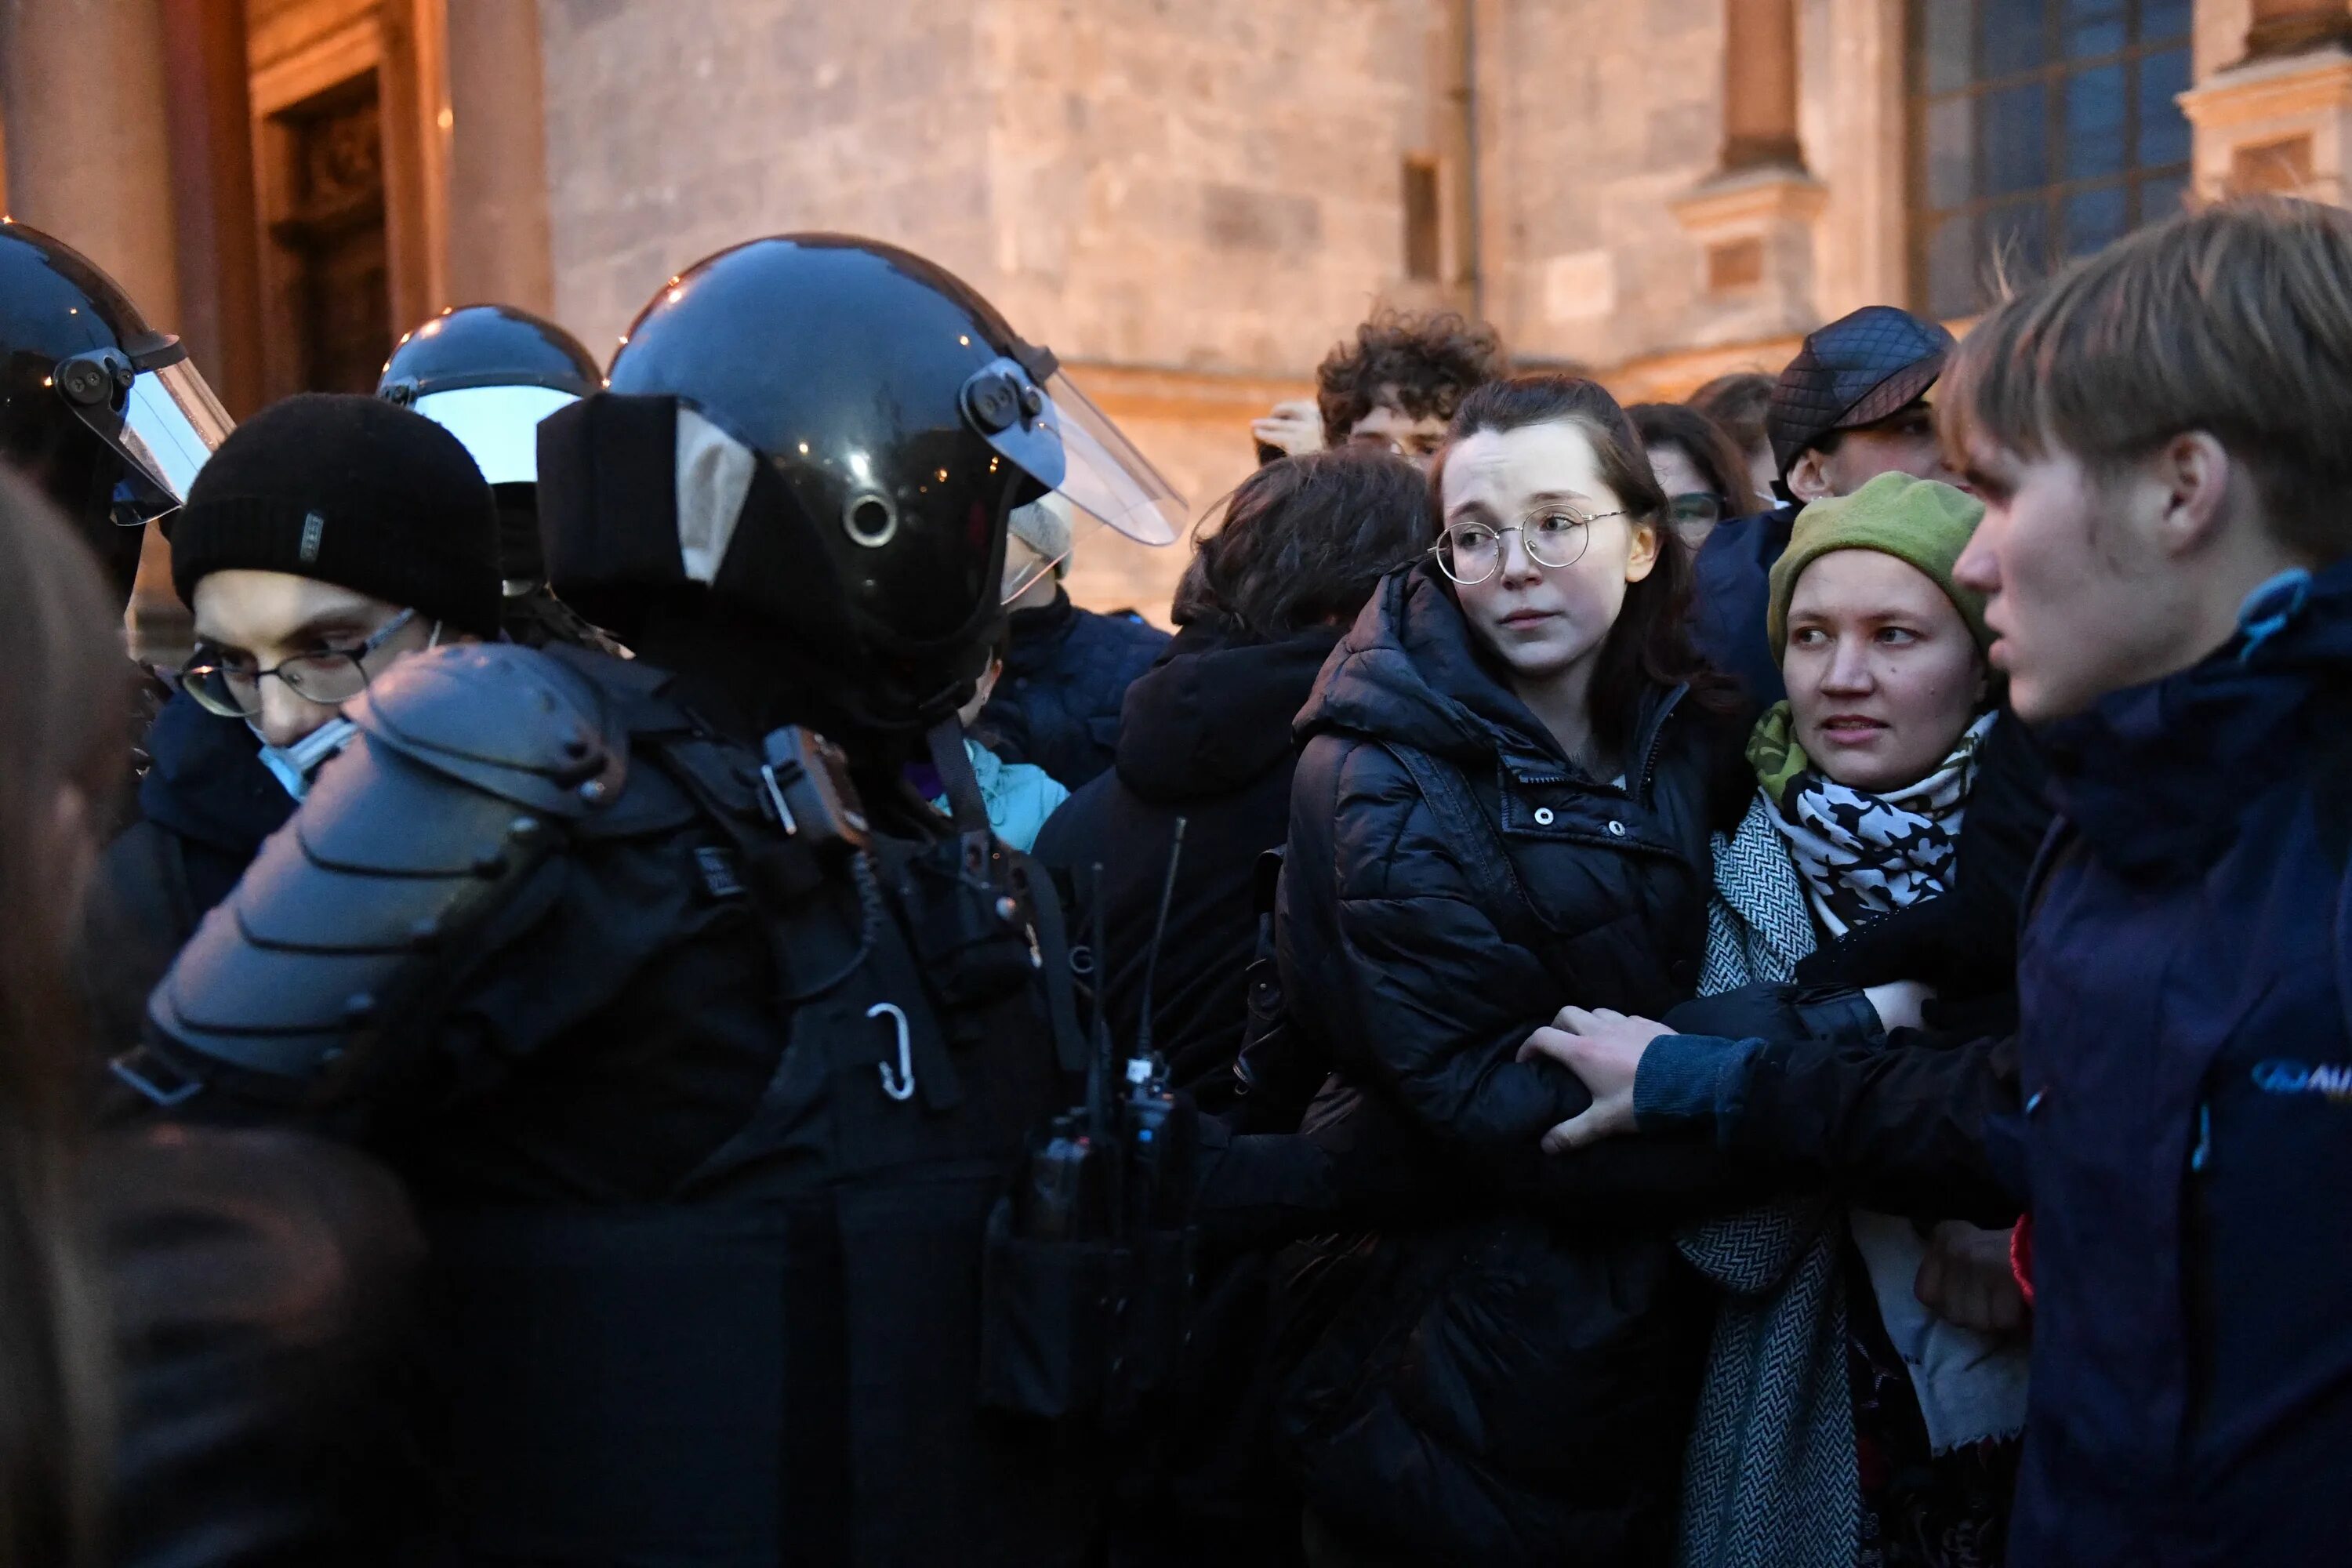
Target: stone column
[1759,85]
[82,85]
[2281,118]
[499,246]
[215,218]
[1753,217]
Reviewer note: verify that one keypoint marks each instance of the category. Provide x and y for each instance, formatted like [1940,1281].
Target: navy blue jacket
[1734,592]
[2185,979]
[204,805]
[1065,675]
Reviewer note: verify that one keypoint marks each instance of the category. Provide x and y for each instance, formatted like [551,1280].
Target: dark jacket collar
[1216,710]
[1411,672]
[2158,776]
[208,782]
[1038,634]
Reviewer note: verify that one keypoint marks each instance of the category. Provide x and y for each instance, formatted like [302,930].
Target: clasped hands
[1965,1277]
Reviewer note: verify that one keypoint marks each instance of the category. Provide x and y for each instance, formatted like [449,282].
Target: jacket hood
[208,782]
[2159,774]
[1408,671]
[1216,710]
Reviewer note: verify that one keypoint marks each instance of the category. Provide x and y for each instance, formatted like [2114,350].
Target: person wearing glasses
[328,537]
[1697,465]
[1513,765]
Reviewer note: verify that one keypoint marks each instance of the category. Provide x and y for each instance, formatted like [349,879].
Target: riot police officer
[107,416]
[706,1045]
[488,374]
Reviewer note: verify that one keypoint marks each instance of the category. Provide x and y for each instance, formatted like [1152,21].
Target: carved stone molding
[2282,123]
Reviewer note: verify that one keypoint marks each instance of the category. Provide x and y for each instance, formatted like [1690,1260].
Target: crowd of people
[1764,981]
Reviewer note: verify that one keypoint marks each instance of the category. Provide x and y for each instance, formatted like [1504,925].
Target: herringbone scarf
[1768,1476]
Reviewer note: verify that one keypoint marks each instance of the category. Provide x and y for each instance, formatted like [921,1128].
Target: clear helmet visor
[167,427]
[1054,433]
[499,425]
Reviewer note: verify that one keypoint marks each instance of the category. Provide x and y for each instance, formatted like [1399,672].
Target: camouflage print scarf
[1863,856]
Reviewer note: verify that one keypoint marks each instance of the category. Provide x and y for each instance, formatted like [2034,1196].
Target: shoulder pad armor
[349,922]
[507,720]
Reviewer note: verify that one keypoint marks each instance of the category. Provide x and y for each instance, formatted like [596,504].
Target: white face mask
[294,765]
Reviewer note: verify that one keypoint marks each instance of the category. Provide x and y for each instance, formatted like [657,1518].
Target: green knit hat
[1919,521]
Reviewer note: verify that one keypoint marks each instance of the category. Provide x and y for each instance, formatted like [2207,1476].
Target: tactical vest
[779,1361]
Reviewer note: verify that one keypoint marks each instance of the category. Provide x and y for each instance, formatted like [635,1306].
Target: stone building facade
[1189,200]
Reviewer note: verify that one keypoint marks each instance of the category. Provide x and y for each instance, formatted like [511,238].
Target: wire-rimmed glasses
[1553,536]
[329,677]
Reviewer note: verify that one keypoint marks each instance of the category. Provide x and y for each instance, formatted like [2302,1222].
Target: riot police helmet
[488,374]
[108,417]
[829,434]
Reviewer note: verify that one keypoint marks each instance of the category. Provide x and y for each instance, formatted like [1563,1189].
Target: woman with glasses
[1698,465]
[329,536]
[1513,766]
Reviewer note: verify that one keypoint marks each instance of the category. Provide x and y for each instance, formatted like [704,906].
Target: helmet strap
[953,764]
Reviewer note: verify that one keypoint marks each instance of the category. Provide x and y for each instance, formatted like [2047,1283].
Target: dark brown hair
[1650,644]
[1305,541]
[2235,320]
[1707,445]
[61,721]
[1428,362]
[1737,402]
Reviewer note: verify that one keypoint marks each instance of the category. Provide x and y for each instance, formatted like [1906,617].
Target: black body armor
[706,1088]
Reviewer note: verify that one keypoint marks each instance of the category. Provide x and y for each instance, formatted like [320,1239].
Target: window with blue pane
[2041,130]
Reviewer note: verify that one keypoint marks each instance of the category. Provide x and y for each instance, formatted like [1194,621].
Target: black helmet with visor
[488,374]
[109,418]
[828,434]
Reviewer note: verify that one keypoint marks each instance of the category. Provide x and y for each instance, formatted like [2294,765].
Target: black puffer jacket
[1205,737]
[1505,1385]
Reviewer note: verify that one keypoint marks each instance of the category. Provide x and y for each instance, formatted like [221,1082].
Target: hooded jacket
[1205,736]
[1065,673]
[2185,981]
[1502,1386]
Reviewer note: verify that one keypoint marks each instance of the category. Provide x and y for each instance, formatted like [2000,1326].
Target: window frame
[2051,72]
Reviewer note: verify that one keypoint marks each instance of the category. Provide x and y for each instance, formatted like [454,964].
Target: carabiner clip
[899,1086]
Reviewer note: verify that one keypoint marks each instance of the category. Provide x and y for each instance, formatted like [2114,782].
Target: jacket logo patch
[718,869]
[2281,1076]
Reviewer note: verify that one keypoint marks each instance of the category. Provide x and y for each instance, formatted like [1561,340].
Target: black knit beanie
[349,490]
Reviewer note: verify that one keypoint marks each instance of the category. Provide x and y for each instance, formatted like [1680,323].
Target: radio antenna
[1159,933]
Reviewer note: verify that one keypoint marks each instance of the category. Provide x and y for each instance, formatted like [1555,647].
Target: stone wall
[1207,193]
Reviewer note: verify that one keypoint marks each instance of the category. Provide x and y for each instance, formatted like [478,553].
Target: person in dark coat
[1851,405]
[1510,778]
[1205,737]
[330,536]
[2170,580]
[1066,670]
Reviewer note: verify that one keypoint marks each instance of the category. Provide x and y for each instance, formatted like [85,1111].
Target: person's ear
[1808,479]
[1642,559]
[2194,474]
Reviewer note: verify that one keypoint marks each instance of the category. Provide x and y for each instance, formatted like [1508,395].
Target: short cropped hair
[1431,362]
[1305,541]
[2235,320]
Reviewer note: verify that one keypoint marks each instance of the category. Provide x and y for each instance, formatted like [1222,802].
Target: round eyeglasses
[1470,553]
[329,677]
[1696,506]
